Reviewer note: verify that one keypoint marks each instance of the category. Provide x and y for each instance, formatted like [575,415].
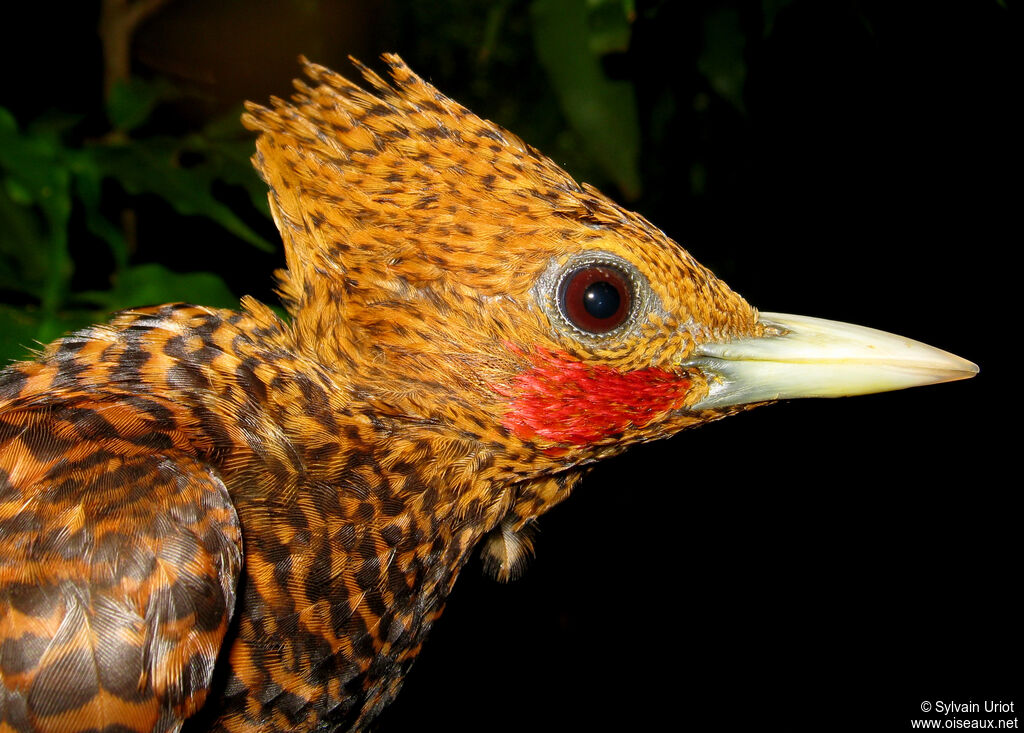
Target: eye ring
[596,298]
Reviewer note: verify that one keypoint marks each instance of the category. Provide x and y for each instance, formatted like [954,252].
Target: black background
[809,566]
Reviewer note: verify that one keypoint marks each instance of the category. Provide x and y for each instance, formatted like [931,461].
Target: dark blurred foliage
[811,566]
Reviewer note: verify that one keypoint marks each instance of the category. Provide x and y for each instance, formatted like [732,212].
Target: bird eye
[596,298]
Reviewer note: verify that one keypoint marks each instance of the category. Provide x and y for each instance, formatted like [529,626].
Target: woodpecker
[250,523]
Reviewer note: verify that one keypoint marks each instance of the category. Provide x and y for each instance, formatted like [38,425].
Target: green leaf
[23,263]
[27,329]
[601,111]
[610,26]
[53,125]
[32,161]
[7,122]
[154,284]
[721,61]
[227,148]
[133,100]
[18,334]
[37,175]
[150,166]
[88,188]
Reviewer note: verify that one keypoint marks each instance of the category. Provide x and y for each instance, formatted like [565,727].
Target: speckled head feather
[407,188]
[432,238]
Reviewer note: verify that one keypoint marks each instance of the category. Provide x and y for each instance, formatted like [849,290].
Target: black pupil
[601,299]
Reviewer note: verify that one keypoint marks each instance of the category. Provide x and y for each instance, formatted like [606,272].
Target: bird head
[460,277]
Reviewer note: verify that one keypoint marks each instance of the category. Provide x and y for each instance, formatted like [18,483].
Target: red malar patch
[566,401]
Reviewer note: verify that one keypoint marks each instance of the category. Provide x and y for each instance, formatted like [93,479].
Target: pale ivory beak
[802,356]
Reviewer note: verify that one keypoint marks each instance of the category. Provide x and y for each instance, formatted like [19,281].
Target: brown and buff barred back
[253,523]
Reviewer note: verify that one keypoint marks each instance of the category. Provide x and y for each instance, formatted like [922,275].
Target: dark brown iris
[596,298]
